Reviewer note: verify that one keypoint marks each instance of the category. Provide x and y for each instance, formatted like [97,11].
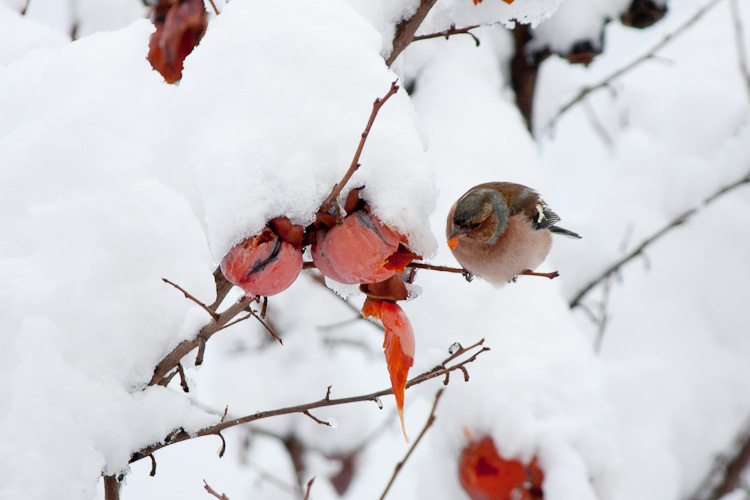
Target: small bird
[499,230]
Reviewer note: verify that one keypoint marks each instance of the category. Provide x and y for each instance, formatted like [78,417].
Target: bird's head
[481,214]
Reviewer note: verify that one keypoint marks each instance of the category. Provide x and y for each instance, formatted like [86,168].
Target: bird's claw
[467,275]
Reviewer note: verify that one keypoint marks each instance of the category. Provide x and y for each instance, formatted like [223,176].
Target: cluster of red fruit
[356,249]
[485,475]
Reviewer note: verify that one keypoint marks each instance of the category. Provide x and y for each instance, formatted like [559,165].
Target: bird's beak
[453,237]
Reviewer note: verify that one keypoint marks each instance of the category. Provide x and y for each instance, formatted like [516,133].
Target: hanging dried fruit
[398,344]
[485,475]
[268,263]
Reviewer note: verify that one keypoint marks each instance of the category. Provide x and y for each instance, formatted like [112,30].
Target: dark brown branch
[212,492]
[726,473]
[201,351]
[450,32]
[316,419]
[307,491]
[111,488]
[406,29]
[330,201]
[445,269]
[223,286]
[427,425]
[678,221]
[223,448]
[153,466]
[529,272]
[183,380]
[651,53]
[438,371]
[170,361]
[213,6]
[740,39]
[188,296]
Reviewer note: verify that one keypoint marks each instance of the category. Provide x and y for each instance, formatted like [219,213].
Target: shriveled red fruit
[360,250]
[262,265]
[180,25]
[398,344]
[485,475]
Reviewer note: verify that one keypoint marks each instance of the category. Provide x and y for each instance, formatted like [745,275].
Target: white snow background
[111,179]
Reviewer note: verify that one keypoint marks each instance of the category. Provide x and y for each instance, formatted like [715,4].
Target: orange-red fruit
[357,250]
[485,475]
[180,26]
[262,265]
[398,344]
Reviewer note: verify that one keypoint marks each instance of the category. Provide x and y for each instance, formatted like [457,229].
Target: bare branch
[188,296]
[678,221]
[330,201]
[223,286]
[316,419]
[648,55]
[438,371]
[740,38]
[183,380]
[307,491]
[153,466]
[445,269]
[427,425]
[450,32]
[111,488]
[406,29]
[170,361]
[725,475]
[213,6]
[212,492]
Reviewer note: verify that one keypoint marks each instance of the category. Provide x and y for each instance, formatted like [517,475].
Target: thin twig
[725,475]
[183,379]
[603,319]
[445,269]
[406,29]
[330,200]
[678,221]
[25,7]
[188,296]
[316,419]
[169,362]
[740,38]
[440,370]
[213,5]
[153,466]
[307,491]
[427,425]
[648,55]
[213,492]
[450,32]
[223,286]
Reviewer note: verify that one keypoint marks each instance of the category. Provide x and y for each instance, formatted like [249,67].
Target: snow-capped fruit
[262,265]
[359,250]
[485,475]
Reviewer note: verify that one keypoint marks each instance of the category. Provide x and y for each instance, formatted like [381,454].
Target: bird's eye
[474,225]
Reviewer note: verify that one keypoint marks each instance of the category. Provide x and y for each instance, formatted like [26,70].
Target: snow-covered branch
[674,223]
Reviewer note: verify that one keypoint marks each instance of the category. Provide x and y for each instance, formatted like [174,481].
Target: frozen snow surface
[111,180]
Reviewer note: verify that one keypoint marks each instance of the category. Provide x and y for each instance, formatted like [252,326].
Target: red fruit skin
[357,250]
[179,28]
[262,265]
[485,475]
